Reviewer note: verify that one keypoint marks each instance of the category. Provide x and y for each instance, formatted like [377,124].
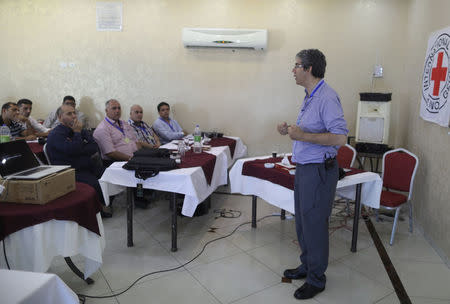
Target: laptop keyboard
[32,171]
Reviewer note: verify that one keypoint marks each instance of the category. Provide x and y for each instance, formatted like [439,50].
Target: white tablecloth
[30,287]
[240,150]
[284,198]
[188,181]
[33,248]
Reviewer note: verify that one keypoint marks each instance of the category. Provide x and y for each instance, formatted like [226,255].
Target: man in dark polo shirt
[10,117]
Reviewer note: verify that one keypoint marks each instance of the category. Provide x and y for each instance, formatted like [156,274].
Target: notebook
[17,161]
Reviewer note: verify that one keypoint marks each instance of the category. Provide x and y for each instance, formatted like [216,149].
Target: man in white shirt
[52,119]
[28,122]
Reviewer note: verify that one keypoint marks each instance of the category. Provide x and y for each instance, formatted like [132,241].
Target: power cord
[227,213]
[4,252]
[83,297]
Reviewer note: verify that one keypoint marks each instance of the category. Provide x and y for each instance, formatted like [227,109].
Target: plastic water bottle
[5,134]
[197,140]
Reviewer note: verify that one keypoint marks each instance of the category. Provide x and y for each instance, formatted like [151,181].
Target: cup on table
[274,154]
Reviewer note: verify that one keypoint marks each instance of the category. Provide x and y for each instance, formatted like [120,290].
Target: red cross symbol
[438,74]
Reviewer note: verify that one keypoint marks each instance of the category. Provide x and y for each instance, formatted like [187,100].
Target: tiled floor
[247,266]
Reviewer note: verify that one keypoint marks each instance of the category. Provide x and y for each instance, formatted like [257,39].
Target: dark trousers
[314,192]
[90,179]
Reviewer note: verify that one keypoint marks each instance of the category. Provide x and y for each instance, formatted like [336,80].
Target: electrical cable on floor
[4,252]
[83,296]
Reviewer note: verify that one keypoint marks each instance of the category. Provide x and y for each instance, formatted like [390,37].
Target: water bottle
[197,140]
[5,134]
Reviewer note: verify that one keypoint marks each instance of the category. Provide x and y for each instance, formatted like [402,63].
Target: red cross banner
[435,105]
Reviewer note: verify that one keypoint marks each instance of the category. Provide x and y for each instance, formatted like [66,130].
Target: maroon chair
[399,170]
[346,156]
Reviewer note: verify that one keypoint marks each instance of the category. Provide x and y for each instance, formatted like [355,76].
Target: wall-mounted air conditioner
[228,38]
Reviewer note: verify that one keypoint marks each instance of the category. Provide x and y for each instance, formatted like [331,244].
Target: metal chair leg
[394,227]
[410,217]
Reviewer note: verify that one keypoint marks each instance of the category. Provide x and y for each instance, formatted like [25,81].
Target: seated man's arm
[164,131]
[119,156]
[104,141]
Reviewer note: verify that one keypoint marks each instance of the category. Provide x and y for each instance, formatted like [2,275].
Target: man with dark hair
[69,144]
[52,119]
[167,128]
[28,122]
[319,131]
[10,118]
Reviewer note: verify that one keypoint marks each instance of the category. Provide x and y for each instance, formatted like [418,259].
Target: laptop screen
[16,156]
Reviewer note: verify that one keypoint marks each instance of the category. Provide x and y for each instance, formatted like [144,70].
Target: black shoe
[105,214]
[307,291]
[294,274]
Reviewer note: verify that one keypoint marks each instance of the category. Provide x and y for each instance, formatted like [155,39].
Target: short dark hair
[8,105]
[68,97]
[315,59]
[24,101]
[162,104]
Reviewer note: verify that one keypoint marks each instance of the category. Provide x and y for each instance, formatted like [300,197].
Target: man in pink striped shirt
[115,137]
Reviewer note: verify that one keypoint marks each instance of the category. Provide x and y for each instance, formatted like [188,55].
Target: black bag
[146,167]
[153,152]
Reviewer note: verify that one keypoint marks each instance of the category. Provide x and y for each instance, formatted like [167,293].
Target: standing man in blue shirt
[167,128]
[319,131]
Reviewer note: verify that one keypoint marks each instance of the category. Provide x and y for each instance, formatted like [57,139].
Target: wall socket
[378,71]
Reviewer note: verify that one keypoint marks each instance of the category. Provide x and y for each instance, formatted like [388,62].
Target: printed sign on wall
[435,105]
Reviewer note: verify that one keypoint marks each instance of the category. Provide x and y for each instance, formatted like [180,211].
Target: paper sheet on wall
[109,16]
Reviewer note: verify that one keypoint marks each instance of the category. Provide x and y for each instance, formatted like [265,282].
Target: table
[188,181]
[35,234]
[30,287]
[350,187]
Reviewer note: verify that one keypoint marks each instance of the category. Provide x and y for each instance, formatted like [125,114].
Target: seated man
[28,122]
[10,117]
[68,144]
[167,129]
[52,119]
[116,139]
[144,132]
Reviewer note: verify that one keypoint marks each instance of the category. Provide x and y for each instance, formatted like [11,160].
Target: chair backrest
[346,156]
[45,153]
[399,170]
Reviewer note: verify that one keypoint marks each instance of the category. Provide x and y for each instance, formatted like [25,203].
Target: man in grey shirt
[52,119]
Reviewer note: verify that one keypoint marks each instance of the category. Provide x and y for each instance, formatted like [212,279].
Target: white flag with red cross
[435,105]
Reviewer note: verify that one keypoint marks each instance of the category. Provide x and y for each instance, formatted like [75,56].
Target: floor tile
[347,286]
[235,277]
[280,293]
[125,265]
[178,287]
[393,299]
[276,256]
[191,246]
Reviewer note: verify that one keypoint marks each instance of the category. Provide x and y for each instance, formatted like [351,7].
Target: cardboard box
[39,191]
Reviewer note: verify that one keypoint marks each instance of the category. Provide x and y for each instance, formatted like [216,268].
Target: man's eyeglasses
[298,66]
